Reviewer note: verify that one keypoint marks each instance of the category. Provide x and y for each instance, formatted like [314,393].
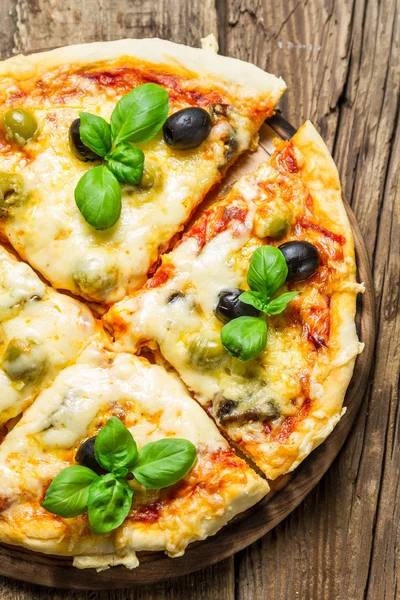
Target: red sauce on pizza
[289,424]
[160,277]
[147,513]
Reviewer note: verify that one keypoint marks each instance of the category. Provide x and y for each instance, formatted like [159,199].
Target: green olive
[206,349]
[94,278]
[151,175]
[11,191]
[19,125]
[273,220]
[24,360]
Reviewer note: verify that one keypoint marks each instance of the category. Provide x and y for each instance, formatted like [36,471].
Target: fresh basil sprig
[108,498]
[95,133]
[126,162]
[98,197]
[169,460]
[140,114]
[137,117]
[246,337]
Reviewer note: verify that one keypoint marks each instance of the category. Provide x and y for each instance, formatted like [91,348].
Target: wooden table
[341,63]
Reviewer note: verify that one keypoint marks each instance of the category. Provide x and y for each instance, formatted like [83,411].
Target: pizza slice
[153,405]
[138,185]
[275,385]
[41,331]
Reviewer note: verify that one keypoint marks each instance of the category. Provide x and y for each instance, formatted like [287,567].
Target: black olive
[77,146]
[187,128]
[85,457]
[230,307]
[302,260]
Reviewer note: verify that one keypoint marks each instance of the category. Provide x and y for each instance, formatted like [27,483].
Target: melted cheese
[41,331]
[153,405]
[181,325]
[106,265]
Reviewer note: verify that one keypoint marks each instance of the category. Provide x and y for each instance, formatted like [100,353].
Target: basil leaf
[278,305]
[109,503]
[256,299]
[95,133]
[244,337]
[139,114]
[67,495]
[164,462]
[114,448]
[98,197]
[126,162]
[268,270]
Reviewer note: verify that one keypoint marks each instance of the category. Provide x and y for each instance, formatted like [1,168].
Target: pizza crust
[204,62]
[329,382]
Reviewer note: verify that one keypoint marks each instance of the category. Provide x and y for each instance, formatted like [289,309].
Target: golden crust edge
[204,62]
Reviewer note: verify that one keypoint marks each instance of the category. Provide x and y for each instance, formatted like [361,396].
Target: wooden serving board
[286,492]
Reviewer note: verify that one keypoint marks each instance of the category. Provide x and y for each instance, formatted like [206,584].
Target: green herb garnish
[108,498]
[137,117]
[246,337]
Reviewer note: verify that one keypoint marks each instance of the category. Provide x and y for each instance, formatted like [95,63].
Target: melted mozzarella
[41,332]
[182,324]
[118,258]
[153,404]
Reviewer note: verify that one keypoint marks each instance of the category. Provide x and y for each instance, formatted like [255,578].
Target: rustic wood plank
[341,64]
[33,25]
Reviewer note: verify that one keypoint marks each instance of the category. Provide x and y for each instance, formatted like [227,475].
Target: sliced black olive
[230,307]
[302,259]
[85,456]
[77,146]
[187,128]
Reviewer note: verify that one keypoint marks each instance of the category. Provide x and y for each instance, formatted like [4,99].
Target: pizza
[159,361]
[153,404]
[226,101]
[36,337]
[279,405]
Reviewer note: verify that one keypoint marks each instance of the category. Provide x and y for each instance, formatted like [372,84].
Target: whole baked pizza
[155,374]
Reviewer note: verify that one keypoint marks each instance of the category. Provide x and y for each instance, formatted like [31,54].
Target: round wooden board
[287,492]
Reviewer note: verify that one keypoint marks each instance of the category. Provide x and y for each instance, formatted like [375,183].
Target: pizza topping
[137,117]
[79,149]
[273,219]
[19,126]
[98,197]
[94,276]
[187,128]
[302,259]
[24,360]
[205,349]
[250,407]
[107,498]
[86,457]
[11,191]
[246,337]
[151,176]
[231,307]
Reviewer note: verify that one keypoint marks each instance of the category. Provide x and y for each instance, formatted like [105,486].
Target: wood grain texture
[340,60]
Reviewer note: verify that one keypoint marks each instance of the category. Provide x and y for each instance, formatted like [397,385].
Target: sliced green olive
[94,278]
[206,349]
[273,220]
[24,360]
[19,125]
[11,191]
[151,177]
